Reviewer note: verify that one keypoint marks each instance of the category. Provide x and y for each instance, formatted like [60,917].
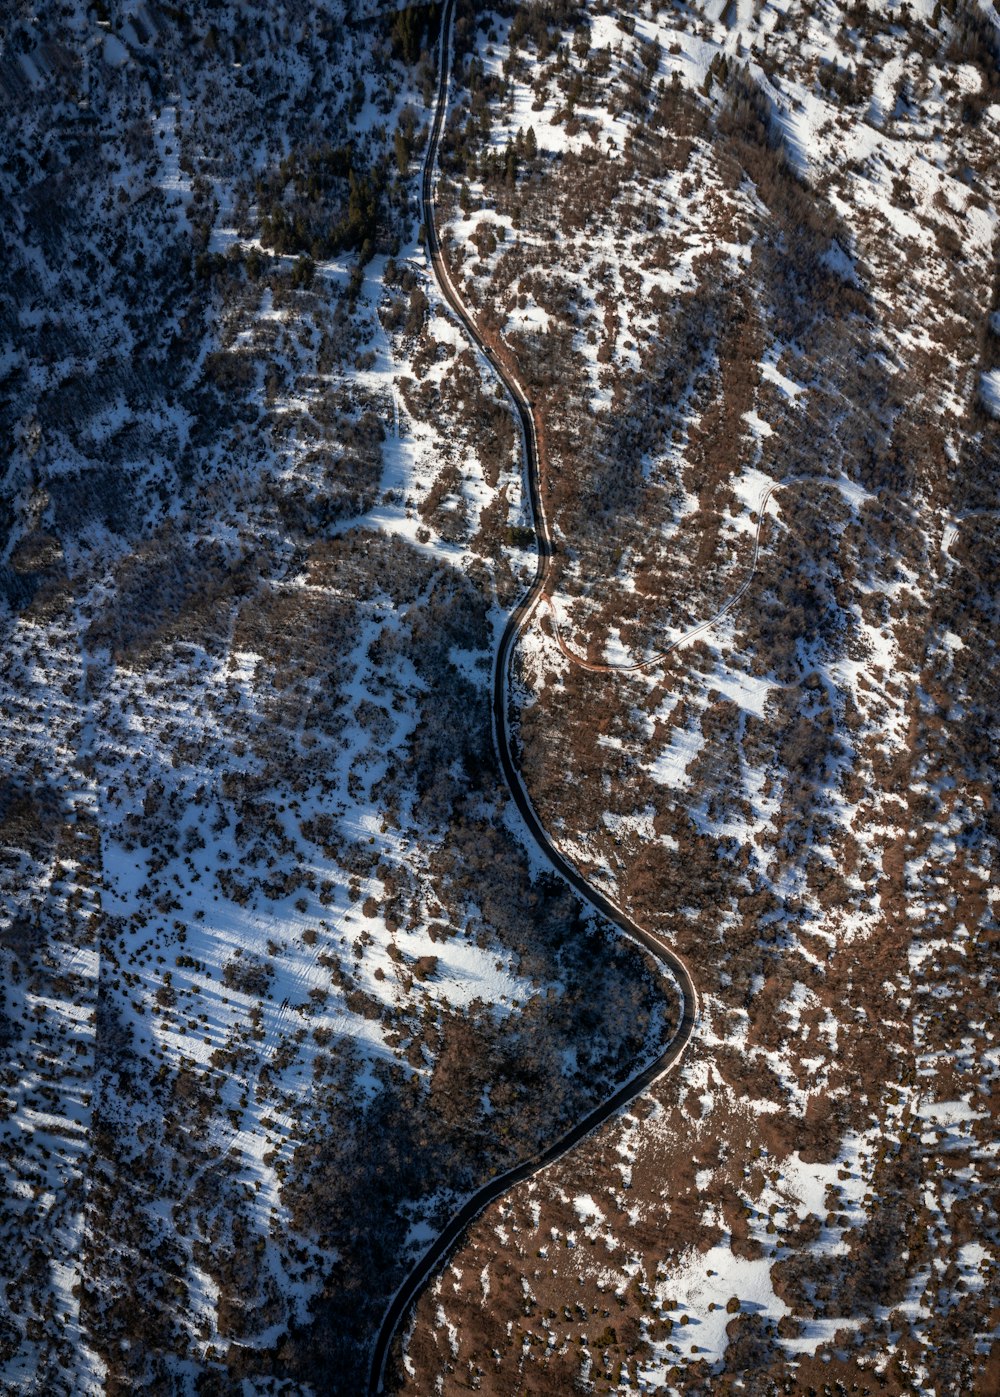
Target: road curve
[517,623]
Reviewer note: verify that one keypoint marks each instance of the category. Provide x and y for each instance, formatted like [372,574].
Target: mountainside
[280,982]
[283,977]
[745,258]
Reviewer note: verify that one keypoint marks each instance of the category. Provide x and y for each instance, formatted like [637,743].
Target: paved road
[676,971]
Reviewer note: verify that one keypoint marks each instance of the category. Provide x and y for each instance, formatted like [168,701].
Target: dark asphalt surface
[440,1249]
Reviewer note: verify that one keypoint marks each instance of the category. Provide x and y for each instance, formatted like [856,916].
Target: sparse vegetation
[278,982]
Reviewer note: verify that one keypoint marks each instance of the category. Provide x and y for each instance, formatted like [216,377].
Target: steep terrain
[745,258]
[281,977]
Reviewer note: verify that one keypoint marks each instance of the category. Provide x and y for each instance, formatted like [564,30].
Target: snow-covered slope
[279,980]
[741,249]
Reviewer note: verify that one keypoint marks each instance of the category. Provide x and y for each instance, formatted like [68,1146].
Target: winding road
[676,972]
